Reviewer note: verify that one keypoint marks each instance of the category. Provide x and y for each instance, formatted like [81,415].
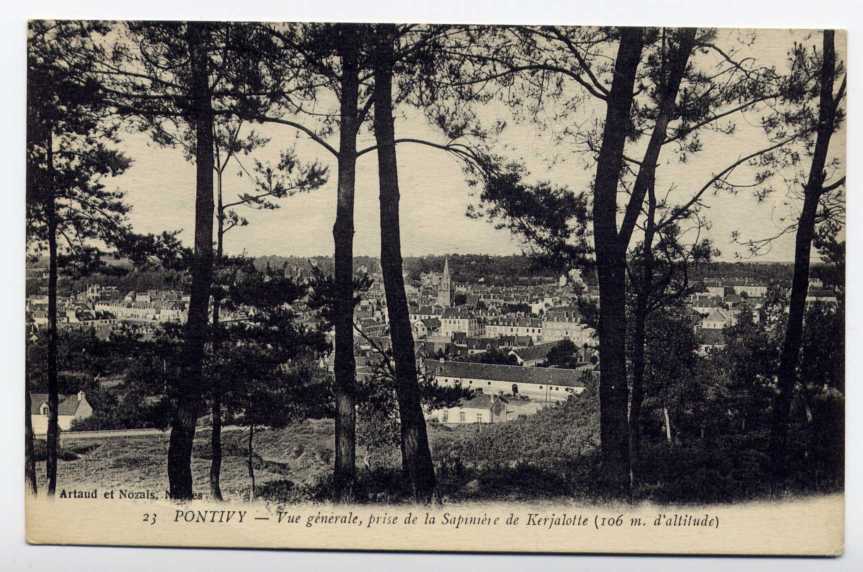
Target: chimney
[80,396]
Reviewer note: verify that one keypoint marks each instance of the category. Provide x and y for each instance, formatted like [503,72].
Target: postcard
[556,289]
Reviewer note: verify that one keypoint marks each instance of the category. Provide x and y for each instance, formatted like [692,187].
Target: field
[294,463]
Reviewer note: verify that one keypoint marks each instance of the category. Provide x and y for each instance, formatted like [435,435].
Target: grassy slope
[533,458]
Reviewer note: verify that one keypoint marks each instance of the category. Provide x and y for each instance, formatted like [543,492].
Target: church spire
[444,294]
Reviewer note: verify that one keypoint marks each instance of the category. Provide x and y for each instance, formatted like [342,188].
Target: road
[110,433]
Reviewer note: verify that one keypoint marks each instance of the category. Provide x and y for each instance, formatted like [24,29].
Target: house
[563,323]
[718,319]
[519,326]
[479,409]
[532,356]
[454,320]
[751,290]
[72,408]
[539,383]
[821,296]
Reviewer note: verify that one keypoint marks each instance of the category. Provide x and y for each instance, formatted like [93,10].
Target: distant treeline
[464,268]
[470,268]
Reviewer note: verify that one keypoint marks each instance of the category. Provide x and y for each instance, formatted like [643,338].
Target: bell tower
[444,293]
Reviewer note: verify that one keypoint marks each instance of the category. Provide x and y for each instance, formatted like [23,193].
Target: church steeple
[444,293]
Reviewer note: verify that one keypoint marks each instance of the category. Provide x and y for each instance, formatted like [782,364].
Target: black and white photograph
[436,287]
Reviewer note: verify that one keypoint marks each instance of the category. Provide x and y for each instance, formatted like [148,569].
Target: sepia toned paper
[494,132]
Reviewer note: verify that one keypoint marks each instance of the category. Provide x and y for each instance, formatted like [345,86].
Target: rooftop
[507,373]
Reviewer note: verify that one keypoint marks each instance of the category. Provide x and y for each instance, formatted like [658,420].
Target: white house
[751,290]
[479,409]
[718,319]
[531,327]
[72,408]
[454,321]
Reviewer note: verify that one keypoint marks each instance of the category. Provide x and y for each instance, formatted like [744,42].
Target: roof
[539,351]
[562,314]
[717,315]
[507,373]
[521,322]
[480,401]
[458,314]
[68,403]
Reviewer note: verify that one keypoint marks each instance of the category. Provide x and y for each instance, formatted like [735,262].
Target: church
[445,288]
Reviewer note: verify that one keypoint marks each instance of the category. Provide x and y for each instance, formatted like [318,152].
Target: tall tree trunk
[29,458]
[344,473]
[190,387]
[53,388]
[611,266]
[802,248]
[216,405]
[250,461]
[416,456]
[638,366]
[672,72]
[642,308]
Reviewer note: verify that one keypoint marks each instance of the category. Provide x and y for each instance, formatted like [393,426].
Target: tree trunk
[642,308]
[672,70]
[638,366]
[611,266]
[53,388]
[216,405]
[668,427]
[343,236]
[250,461]
[190,387]
[802,249]
[416,457]
[29,458]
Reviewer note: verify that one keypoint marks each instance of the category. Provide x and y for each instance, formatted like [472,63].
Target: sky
[160,187]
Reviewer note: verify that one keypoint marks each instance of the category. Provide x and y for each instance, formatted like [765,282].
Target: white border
[16,555]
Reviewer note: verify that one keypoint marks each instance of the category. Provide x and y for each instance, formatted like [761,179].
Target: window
[462,417]
[479,417]
[444,417]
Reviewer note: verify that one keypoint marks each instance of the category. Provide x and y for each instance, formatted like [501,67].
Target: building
[532,356]
[537,383]
[821,296]
[455,320]
[445,289]
[521,326]
[564,323]
[481,408]
[751,290]
[71,408]
[718,319]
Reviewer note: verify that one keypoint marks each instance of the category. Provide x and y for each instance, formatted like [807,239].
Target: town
[494,340]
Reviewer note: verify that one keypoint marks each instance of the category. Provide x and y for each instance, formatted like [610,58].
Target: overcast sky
[160,186]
